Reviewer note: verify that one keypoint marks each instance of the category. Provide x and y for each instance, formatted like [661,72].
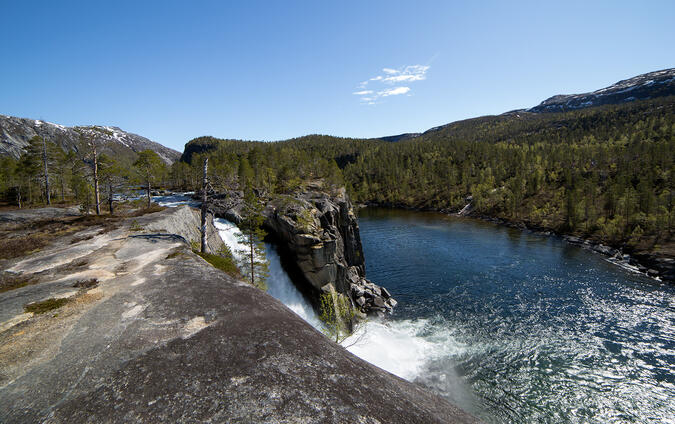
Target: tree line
[47,174]
[603,173]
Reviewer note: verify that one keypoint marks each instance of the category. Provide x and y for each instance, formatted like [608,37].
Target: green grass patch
[135,226]
[45,305]
[174,254]
[23,245]
[223,263]
[11,282]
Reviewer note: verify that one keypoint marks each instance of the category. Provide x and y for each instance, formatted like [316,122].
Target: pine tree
[254,264]
[150,168]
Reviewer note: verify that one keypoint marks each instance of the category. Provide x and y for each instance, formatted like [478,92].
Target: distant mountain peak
[15,134]
[646,86]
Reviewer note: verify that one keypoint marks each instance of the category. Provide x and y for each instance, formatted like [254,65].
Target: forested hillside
[603,172]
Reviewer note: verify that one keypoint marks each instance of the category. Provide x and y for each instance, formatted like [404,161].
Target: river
[518,327]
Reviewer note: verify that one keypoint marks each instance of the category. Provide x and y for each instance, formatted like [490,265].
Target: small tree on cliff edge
[253,262]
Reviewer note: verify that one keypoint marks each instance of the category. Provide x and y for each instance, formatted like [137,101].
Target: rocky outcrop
[164,337]
[648,263]
[321,233]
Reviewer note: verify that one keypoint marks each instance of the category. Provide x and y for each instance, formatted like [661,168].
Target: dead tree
[205,183]
[44,161]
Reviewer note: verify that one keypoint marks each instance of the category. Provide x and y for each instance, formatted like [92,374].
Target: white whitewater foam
[280,286]
[175,200]
[402,347]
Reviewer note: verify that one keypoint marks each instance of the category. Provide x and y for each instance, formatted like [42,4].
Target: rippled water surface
[517,327]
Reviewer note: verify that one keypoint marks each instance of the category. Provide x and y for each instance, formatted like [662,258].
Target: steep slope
[15,134]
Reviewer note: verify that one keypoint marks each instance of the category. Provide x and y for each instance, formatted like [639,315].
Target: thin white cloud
[391,76]
[393,91]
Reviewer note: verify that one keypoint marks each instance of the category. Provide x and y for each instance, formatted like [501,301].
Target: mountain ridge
[645,86]
[641,87]
[15,135]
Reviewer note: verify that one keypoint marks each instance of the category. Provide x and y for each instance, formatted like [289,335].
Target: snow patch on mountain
[15,134]
[642,87]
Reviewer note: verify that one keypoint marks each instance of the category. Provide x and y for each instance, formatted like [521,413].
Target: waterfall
[279,284]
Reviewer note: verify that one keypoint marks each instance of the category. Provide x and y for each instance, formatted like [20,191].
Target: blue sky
[172,71]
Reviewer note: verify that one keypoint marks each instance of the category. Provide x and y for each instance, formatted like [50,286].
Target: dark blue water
[517,327]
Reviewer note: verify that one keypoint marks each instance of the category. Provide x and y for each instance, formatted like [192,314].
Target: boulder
[385,293]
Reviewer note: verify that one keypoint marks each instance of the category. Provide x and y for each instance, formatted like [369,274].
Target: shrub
[45,305]
[225,264]
[337,314]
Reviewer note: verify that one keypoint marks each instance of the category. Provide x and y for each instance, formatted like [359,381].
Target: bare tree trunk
[18,196]
[96,192]
[110,198]
[205,183]
[148,187]
[44,161]
[250,241]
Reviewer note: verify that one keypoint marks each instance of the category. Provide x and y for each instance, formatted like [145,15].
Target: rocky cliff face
[15,133]
[321,233]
